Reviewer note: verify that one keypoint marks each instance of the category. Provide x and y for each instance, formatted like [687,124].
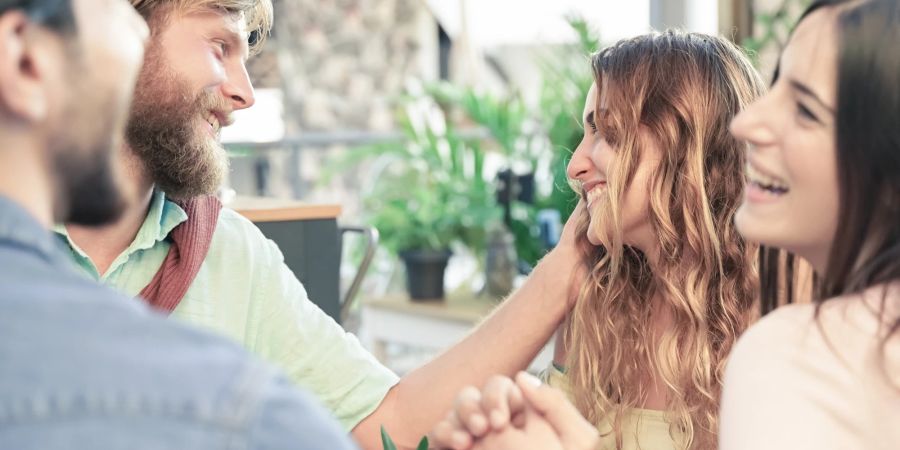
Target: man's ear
[23,90]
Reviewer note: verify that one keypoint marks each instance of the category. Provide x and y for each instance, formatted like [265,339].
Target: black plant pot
[425,273]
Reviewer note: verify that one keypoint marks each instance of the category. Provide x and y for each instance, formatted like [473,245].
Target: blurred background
[443,127]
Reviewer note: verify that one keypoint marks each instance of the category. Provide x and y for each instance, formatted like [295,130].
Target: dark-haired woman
[824,183]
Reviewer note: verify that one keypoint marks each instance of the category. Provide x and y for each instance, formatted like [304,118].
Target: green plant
[567,77]
[432,190]
[514,132]
[521,133]
[388,444]
[435,190]
[775,27]
[505,117]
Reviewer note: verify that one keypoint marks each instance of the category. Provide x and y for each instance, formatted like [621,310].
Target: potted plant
[431,193]
[515,133]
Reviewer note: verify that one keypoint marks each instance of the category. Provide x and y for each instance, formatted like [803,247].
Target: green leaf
[423,444]
[386,441]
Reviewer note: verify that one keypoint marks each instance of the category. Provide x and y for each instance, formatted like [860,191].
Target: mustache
[210,102]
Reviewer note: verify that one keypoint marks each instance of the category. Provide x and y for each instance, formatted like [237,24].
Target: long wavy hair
[680,90]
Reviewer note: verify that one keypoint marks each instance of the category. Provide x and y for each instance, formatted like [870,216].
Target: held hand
[522,415]
[573,430]
[549,422]
[477,413]
[535,433]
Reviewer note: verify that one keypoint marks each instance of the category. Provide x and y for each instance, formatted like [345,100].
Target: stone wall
[343,61]
[342,65]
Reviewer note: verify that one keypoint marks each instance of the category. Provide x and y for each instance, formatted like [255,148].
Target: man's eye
[221,47]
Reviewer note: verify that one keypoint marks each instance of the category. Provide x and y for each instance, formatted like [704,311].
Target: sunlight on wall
[264,122]
[504,22]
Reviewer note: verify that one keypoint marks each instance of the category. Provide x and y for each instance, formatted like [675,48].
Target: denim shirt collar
[19,228]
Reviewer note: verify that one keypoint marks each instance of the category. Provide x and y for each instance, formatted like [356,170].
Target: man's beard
[183,161]
[88,190]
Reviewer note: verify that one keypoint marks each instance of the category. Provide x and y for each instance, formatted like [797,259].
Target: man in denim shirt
[81,366]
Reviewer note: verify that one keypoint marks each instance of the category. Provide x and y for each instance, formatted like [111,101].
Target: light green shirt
[245,292]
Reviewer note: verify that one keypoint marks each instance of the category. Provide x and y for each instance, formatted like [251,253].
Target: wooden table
[264,209]
[432,325]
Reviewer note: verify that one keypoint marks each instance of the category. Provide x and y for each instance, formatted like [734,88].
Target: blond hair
[258,14]
[681,90]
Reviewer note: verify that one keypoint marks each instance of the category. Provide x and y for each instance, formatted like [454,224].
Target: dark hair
[54,14]
[866,246]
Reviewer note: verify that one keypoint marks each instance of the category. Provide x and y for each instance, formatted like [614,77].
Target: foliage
[432,190]
[521,133]
[515,133]
[506,118]
[388,444]
[567,77]
[775,27]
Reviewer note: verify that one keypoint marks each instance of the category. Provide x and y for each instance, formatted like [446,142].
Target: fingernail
[528,378]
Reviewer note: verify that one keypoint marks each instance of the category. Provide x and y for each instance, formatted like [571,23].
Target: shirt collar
[164,215]
[17,226]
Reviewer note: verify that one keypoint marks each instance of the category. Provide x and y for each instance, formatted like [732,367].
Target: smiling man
[180,250]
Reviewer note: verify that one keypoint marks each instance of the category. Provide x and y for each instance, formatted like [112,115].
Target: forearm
[506,342]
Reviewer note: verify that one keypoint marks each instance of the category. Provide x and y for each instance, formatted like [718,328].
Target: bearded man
[179,250]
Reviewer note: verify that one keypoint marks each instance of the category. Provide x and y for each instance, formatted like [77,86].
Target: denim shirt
[82,367]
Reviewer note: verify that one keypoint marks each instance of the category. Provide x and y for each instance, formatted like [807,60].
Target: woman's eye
[806,113]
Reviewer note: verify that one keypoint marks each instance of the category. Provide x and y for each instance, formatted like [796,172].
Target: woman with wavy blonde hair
[671,283]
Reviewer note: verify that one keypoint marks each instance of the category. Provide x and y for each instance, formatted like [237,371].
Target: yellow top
[644,429]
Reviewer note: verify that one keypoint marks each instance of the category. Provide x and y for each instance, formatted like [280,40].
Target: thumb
[552,404]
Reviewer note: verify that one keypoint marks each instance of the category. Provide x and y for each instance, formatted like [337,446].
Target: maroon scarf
[190,244]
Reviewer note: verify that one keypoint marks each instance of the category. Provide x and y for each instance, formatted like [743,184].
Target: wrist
[557,273]
[561,260]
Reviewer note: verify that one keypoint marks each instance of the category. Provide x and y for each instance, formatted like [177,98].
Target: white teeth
[214,122]
[764,181]
[595,194]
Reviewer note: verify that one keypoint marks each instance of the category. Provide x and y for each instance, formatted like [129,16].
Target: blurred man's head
[194,78]
[67,72]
